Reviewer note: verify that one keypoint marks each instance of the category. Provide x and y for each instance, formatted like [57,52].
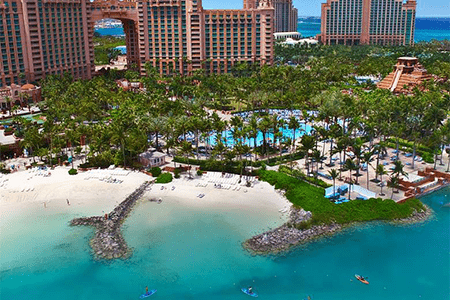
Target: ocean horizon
[427,28]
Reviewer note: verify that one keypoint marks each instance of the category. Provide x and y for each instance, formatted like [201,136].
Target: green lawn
[311,198]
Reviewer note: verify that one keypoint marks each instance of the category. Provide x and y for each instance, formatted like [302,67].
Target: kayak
[361,279]
[148,294]
[245,291]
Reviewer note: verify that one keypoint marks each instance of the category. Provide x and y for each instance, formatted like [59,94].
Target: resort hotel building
[381,22]
[40,37]
[286,16]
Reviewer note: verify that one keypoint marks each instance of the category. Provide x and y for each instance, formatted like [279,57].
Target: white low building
[285,35]
[290,41]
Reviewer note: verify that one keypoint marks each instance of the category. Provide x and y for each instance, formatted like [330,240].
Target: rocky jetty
[289,234]
[298,230]
[108,242]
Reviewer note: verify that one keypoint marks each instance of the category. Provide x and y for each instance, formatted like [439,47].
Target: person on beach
[68,203]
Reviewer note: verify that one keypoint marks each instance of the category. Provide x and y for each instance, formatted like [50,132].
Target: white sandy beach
[88,195]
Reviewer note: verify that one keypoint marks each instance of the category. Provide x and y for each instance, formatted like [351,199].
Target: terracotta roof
[28,86]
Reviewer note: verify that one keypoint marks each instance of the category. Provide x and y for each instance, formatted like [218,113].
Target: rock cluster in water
[289,234]
[108,242]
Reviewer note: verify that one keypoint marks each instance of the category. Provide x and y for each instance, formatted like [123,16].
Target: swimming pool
[228,140]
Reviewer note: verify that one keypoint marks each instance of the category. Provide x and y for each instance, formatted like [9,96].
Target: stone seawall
[108,242]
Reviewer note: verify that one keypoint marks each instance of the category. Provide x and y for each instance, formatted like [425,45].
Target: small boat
[148,294]
[245,291]
[362,279]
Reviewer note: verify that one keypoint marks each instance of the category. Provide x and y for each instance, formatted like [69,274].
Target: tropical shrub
[155,171]
[73,172]
[3,170]
[102,160]
[164,178]
[199,172]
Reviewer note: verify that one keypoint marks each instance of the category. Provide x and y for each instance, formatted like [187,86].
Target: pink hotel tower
[380,22]
[39,37]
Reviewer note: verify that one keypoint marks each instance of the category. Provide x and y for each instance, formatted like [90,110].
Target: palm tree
[398,170]
[307,145]
[359,154]
[253,129]
[197,125]
[380,150]
[264,126]
[317,158]
[333,133]
[367,159]
[333,174]
[293,125]
[350,166]
[186,150]
[393,183]
[381,171]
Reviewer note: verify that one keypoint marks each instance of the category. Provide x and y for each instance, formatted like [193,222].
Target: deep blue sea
[194,253]
[426,28]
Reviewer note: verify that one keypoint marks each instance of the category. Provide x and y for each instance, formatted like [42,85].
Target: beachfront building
[152,158]
[380,22]
[286,16]
[408,73]
[40,37]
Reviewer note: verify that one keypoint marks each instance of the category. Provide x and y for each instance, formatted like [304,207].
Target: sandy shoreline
[89,196]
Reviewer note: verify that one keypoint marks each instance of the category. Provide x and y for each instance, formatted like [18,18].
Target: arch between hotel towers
[56,36]
[180,36]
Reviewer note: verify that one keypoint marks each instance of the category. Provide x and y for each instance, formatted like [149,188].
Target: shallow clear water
[196,254]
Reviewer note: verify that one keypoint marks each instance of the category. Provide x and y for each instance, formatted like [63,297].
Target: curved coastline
[288,235]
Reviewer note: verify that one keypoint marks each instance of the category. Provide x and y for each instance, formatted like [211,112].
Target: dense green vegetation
[117,125]
[104,50]
[369,59]
[155,171]
[311,198]
[164,178]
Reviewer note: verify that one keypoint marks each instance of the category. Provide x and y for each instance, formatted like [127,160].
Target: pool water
[227,136]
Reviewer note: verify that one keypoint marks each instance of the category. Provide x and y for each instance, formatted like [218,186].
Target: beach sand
[89,196]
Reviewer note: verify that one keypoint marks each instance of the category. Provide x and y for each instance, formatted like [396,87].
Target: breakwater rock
[298,230]
[108,242]
[290,234]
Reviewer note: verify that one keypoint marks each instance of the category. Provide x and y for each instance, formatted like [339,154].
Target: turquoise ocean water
[189,253]
[426,28]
